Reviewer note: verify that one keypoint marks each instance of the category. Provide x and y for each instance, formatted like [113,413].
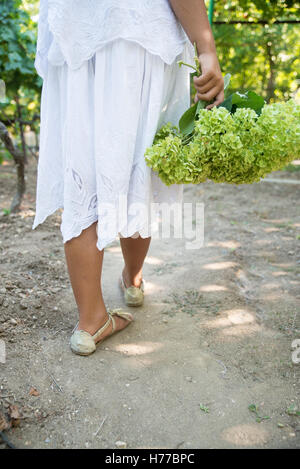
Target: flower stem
[195,67]
[180,63]
[197,60]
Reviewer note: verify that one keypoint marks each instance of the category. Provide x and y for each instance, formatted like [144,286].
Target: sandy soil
[213,337]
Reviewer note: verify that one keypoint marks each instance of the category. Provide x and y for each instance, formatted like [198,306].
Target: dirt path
[213,337]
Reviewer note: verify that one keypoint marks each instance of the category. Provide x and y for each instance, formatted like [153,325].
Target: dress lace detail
[95,127]
[73,30]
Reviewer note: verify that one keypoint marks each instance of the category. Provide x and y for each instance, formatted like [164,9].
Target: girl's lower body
[96,123]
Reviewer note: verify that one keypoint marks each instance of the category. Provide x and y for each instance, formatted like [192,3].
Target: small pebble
[121,444]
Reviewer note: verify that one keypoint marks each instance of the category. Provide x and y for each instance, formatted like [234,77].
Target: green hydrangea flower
[238,148]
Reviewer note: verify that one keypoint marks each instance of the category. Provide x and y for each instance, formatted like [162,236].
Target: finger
[211,94]
[209,86]
[219,100]
[203,79]
[196,99]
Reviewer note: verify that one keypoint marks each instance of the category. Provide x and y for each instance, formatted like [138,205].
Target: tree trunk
[18,157]
[19,113]
[272,77]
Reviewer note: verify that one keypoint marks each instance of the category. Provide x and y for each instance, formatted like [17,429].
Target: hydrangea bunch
[238,148]
[238,142]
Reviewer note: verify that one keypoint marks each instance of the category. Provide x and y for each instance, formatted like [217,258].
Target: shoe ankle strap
[105,326]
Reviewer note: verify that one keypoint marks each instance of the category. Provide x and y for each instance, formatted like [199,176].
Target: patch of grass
[204,408]
[6,211]
[255,410]
[292,410]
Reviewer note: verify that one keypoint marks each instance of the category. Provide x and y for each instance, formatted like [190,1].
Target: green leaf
[227,79]
[187,120]
[227,103]
[250,100]
[247,100]
[252,408]
[204,408]
[200,105]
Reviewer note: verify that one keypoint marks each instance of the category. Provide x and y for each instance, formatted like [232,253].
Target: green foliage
[254,10]
[255,410]
[17,47]
[237,148]
[17,52]
[204,408]
[261,58]
[244,100]
[264,59]
[187,120]
[232,103]
[293,411]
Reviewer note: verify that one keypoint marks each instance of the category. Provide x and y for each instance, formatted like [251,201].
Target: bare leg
[134,253]
[84,262]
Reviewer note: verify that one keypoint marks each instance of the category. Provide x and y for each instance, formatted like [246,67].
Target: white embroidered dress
[110,81]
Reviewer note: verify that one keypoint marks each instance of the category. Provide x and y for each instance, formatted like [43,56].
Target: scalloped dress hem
[95,127]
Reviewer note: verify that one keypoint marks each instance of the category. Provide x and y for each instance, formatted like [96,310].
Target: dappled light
[231,318]
[224,244]
[263,242]
[284,265]
[151,260]
[219,265]
[205,352]
[213,288]
[280,273]
[270,286]
[152,287]
[271,229]
[246,435]
[142,348]
[272,296]
[240,316]
[241,331]
[114,249]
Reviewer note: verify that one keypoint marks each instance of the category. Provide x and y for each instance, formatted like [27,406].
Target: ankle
[131,279]
[92,323]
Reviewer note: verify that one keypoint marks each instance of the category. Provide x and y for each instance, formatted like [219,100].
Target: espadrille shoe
[133,296]
[83,343]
